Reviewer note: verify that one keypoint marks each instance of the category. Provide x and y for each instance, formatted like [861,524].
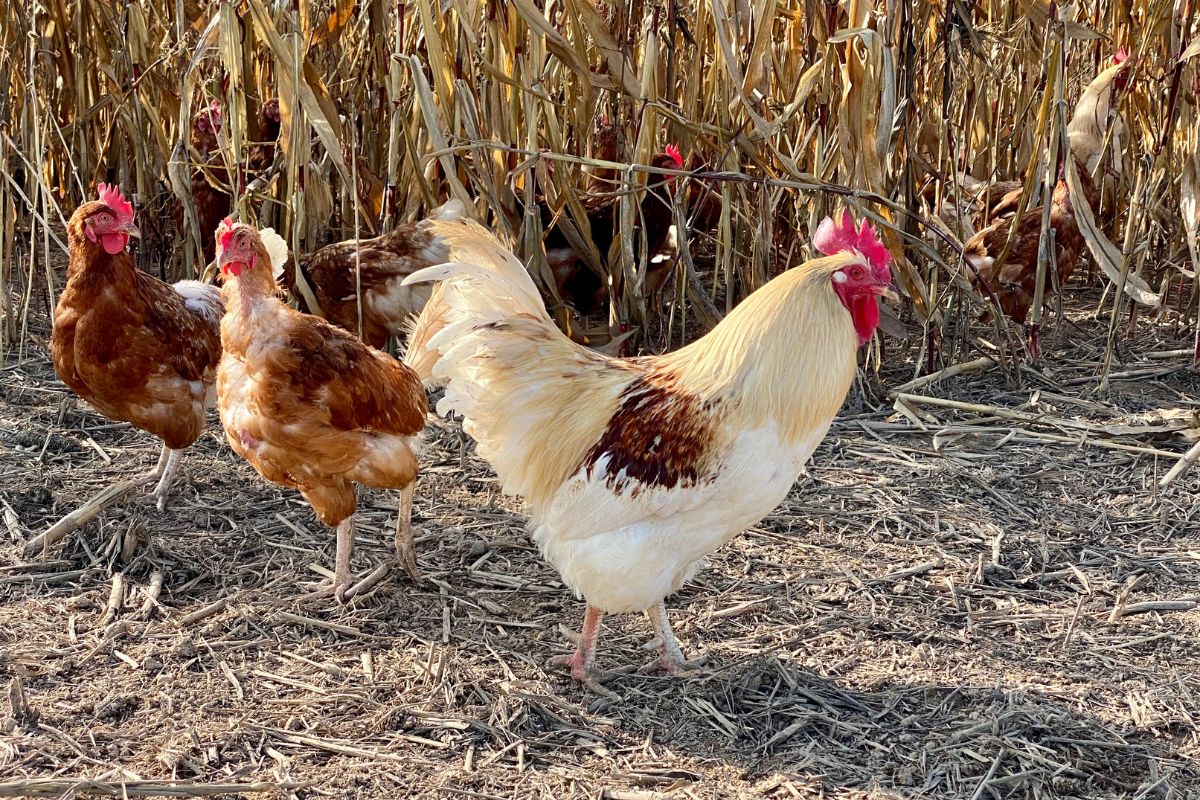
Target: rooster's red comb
[224,233]
[111,196]
[833,237]
[674,153]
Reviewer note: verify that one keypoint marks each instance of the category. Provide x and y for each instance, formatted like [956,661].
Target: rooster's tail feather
[533,400]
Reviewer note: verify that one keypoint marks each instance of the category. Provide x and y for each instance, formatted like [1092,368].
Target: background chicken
[634,470]
[307,404]
[211,201]
[261,154]
[335,274]
[1013,279]
[577,283]
[139,350]
[210,180]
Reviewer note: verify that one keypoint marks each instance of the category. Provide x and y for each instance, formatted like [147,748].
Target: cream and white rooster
[634,470]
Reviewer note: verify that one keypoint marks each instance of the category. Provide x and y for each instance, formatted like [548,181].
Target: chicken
[210,182]
[307,404]
[139,350]
[335,273]
[633,470]
[577,283]
[608,145]
[1013,281]
[211,201]
[261,154]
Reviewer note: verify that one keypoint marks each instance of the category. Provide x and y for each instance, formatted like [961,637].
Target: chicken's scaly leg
[406,552]
[168,474]
[156,473]
[342,576]
[580,662]
[670,657]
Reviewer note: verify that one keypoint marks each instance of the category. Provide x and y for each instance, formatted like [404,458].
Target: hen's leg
[168,474]
[580,662]
[342,576]
[156,473]
[406,552]
[670,657]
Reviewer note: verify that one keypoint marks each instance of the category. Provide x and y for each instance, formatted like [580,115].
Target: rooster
[634,470]
[1013,280]
[577,283]
[139,350]
[307,404]
[374,268]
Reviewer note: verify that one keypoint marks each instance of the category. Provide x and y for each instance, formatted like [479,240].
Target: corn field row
[787,109]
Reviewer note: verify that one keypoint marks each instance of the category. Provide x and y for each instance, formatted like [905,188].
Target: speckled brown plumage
[660,436]
[1013,281]
[134,347]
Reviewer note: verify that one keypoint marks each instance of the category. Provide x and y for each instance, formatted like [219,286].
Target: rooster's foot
[671,665]
[584,674]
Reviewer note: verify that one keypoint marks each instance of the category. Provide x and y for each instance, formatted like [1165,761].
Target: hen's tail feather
[203,300]
[449,210]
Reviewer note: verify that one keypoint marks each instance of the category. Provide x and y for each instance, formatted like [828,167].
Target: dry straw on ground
[979,591]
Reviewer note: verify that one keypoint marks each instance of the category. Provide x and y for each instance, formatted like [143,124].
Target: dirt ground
[948,605]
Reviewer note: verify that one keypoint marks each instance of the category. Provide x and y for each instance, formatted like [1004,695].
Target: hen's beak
[213,268]
[131,230]
[888,293]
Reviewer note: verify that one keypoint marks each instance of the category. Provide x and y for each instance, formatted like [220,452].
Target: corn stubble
[793,108]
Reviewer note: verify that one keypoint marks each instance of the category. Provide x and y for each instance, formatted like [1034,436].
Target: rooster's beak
[889,294]
[130,229]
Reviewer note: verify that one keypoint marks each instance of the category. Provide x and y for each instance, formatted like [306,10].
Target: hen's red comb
[111,196]
[224,233]
[1121,56]
[833,237]
[211,114]
[674,153]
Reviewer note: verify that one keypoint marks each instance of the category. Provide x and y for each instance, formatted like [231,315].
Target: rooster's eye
[856,273]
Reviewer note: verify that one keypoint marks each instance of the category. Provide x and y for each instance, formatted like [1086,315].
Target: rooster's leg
[670,657]
[406,552]
[580,662]
[342,576]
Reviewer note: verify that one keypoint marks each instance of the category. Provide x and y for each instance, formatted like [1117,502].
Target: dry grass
[978,591]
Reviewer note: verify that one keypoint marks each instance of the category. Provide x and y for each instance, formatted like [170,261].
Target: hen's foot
[164,473]
[340,588]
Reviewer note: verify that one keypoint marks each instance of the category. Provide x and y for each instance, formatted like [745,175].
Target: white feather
[277,250]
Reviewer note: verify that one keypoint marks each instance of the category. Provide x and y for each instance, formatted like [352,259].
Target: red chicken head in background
[209,119]
[1121,57]
[670,158]
[270,110]
[858,284]
[111,223]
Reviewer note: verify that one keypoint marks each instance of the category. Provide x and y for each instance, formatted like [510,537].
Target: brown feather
[129,344]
